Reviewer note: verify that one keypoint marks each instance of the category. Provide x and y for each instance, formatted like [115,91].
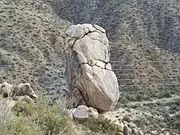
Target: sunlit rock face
[90,72]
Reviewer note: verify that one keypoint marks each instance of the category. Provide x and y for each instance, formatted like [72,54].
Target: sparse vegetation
[144,36]
[22,126]
[100,125]
[41,118]
[132,94]
[38,118]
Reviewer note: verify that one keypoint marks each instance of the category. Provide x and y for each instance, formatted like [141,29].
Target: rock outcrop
[23,90]
[6,89]
[89,71]
[83,112]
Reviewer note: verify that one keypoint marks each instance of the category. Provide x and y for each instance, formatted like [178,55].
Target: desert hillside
[31,45]
[144,39]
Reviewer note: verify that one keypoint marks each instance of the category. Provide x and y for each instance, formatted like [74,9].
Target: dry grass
[43,118]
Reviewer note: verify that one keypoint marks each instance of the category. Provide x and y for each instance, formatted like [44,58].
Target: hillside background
[145,50]
[144,37]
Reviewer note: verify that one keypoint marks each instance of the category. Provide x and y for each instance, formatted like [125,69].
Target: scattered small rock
[119,133]
[6,89]
[25,89]
[93,112]
[167,133]
[127,118]
[22,91]
[140,133]
[154,132]
[131,125]
[120,127]
[134,131]
[83,108]
[80,114]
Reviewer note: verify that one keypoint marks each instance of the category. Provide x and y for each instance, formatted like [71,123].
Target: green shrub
[24,108]
[141,122]
[52,123]
[25,127]
[19,126]
[49,118]
[167,92]
[101,126]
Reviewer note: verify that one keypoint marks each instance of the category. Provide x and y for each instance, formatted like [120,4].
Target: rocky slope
[31,45]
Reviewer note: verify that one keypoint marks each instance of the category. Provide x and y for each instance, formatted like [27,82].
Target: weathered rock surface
[6,89]
[25,89]
[93,112]
[82,112]
[89,68]
[22,91]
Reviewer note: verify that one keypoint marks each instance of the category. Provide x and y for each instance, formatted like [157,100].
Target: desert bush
[19,126]
[42,118]
[166,92]
[22,126]
[49,118]
[176,121]
[52,122]
[141,122]
[101,125]
[24,108]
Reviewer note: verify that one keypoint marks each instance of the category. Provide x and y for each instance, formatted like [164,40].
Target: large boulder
[88,67]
